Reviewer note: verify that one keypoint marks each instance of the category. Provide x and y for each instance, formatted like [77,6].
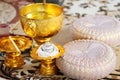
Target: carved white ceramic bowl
[87,60]
[97,27]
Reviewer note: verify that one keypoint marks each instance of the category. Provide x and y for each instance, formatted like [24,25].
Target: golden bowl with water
[41,21]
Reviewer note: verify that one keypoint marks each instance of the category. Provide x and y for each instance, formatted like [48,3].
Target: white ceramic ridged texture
[97,27]
[87,60]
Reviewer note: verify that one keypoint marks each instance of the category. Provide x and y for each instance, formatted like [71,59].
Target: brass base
[14,60]
[48,67]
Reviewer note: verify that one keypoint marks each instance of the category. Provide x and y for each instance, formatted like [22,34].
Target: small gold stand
[14,60]
[48,65]
[13,45]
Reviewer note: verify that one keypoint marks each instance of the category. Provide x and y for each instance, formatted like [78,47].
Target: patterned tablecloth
[73,9]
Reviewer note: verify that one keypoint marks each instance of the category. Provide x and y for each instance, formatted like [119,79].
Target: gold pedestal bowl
[41,22]
[14,58]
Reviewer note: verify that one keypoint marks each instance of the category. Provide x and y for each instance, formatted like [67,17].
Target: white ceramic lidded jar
[87,60]
[97,27]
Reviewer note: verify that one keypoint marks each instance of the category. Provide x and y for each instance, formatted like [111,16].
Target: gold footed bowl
[41,22]
[48,65]
[14,58]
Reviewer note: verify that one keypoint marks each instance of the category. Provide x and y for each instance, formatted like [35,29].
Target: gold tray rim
[16,37]
[36,57]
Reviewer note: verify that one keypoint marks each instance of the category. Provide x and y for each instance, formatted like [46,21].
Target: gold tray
[23,43]
[35,56]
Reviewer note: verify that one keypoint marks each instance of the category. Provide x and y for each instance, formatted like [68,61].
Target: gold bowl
[41,21]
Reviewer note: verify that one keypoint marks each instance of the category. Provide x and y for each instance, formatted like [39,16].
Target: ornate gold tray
[35,56]
[23,43]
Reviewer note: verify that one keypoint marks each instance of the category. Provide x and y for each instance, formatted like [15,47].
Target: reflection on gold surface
[22,42]
[41,21]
